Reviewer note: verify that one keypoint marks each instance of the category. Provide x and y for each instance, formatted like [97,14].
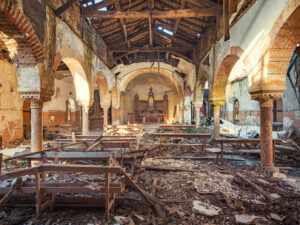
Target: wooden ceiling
[151,30]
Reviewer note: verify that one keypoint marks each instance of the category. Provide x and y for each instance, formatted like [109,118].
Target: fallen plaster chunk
[275,195]
[276,217]
[4,184]
[206,209]
[120,220]
[245,218]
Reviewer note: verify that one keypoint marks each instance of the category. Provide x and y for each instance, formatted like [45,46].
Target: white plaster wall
[69,45]
[289,99]
[127,70]
[61,95]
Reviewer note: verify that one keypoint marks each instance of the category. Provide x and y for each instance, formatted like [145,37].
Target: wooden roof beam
[180,13]
[182,5]
[151,49]
[170,51]
[123,24]
[150,5]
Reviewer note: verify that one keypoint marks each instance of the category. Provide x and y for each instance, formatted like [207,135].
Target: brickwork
[18,36]
[227,62]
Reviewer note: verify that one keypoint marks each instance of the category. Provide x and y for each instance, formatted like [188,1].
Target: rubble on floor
[185,187]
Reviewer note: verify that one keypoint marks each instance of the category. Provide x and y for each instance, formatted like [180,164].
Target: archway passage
[62,112]
[270,83]
[149,98]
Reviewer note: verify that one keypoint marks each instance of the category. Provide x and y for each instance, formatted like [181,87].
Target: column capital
[36,104]
[266,98]
[85,104]
[197,104]
[35,95]
[216,102]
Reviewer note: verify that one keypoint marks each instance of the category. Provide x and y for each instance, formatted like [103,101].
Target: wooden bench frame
[182,136]
[239,141]
[40,187]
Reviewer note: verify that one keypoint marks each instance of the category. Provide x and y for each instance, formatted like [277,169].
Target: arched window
[68,111]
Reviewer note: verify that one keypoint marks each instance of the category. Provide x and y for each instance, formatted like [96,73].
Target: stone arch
[101,82]
[283,39]
[227,62]
[25,49]
[162,72]
[200,85]
[80,80]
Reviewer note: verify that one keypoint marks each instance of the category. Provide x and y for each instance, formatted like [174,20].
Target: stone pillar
[105,118]
[85,120]
[266,119]
[197,114]
[217,105]
[36,107]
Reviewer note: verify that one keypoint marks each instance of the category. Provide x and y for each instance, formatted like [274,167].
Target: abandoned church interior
[149,112]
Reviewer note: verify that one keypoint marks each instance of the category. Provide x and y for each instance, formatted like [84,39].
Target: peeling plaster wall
[291,108]
[11,105]
[69,45]
[54,111]
[250,33]
[248,109]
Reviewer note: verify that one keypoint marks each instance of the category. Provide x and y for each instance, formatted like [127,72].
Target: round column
[217,105]
[36,107]
[85,120]
[105,118]
[266,139]
[197,114]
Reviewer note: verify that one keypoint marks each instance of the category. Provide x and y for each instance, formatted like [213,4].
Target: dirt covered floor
[189,187]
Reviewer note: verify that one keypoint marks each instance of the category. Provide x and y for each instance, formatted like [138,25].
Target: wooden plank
[59,168]
[10,191]
[182,135]
[180,13]
[182,5]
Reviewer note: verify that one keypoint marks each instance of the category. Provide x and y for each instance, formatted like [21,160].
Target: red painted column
[36,107]
[266,139]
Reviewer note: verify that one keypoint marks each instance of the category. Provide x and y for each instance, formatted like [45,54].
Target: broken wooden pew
[222,140]
[183,136]
[39,187]
[72,156]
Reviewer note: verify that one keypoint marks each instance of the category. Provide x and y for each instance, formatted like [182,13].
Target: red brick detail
[18,19]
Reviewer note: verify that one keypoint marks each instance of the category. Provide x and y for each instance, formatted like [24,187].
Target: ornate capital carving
[36,104]
[34,95]
[266,98]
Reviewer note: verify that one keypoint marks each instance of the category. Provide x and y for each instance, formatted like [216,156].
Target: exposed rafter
[178,19]
[122,22]
[150,23]
[180,13]
[151,49]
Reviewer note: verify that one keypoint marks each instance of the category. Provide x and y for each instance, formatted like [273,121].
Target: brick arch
[101,82]
[19,37]
[283,39]
[200,85]
[227,62]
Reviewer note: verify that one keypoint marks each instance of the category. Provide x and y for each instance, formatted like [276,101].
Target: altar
[151,110]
